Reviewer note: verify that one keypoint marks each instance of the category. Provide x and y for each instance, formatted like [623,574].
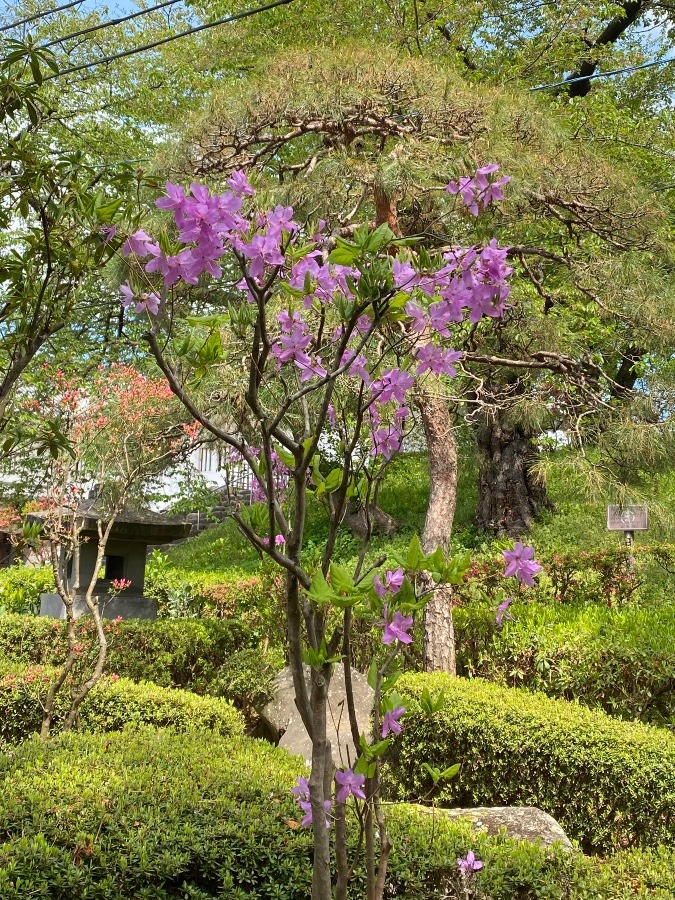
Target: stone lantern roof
[134,524]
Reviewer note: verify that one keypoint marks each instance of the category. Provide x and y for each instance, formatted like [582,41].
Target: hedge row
[183,653]
[152,814]
[609,783]
[205,656]
[619,660]
[113,704]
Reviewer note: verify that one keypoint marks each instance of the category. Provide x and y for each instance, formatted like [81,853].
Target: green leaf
[333,480]
[414,557]
[345,253]
[319,590]
[372,674]
[286,457]
[107,212]
[379,238]
[341,579]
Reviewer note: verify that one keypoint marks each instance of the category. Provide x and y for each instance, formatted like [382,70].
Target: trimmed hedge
[186,653]
[205,656]
[609,783]
[619,660]
[113,704]
[153,814]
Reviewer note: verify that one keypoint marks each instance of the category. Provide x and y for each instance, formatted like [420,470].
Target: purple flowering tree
[311,356]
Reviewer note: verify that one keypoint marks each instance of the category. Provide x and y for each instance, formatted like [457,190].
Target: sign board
[627,518]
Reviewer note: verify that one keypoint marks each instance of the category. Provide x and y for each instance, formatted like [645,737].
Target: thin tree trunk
[510,496]
[321,765]
[439,632]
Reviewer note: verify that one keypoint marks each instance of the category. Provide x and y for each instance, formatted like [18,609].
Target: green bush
[21,586]
[153,814]
[609,783]
[246,679]
[112,704]
[619,660]
[579,577]
[185,654]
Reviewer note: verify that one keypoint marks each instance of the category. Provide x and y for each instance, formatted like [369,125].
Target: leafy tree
[588,242]
[57,226]
[311,362]
[122,431]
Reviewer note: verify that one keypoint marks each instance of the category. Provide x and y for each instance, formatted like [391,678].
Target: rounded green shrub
[21,586]
[619,660]
[113,704]
[609,783]
[185,653]
[154,814]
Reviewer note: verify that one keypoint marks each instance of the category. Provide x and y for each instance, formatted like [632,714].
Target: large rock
[523,823]
[282,723]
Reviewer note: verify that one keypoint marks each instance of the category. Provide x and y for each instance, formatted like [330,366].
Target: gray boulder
[282,723]
[523,823]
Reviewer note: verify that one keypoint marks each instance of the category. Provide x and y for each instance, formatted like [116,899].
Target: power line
[108,23]
[40,15]
[174,37]
[627,70]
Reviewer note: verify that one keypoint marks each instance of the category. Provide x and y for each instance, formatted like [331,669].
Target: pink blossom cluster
[472,283]
[480,190]
[280,476]
[292,346]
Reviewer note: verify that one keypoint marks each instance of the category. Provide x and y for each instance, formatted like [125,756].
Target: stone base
[125,606]
[523,823]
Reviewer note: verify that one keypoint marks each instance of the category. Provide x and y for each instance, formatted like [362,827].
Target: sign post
[628,519]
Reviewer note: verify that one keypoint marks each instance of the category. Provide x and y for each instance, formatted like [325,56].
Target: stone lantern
[126,552]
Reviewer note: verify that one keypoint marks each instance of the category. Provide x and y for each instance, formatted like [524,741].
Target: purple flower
[108,232]
[127,295]
[387,440]
[281,219]
[392,385]
[238,182]
[350,784]
[174,200]
[301,788]
[437,360]
[469,864]
[502,611]
[301,793]
[391,722]
[417,315]
[357,365]
[306,807]
[397,629]
[149,302]
[392,582]
[521,562]
[137,244]
[404,275]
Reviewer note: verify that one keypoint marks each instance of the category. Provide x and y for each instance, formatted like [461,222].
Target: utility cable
[174,37]
[40,15]
[627,70]
[108,23]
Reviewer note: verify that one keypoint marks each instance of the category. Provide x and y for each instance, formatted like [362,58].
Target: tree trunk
[510,496]
[439,632]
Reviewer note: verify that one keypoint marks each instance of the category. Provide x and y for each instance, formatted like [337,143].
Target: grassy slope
[574,524]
